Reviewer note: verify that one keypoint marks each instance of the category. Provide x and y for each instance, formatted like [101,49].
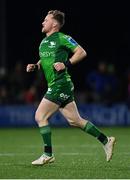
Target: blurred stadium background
[102,80]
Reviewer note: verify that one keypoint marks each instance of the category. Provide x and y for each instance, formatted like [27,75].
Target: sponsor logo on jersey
[52,44]
[49,91]
[72,41]
[47,54]
[64,96]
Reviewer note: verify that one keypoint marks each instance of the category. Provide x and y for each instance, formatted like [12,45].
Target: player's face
[47,24]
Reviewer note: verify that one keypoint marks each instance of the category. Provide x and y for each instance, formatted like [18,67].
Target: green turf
[78,155]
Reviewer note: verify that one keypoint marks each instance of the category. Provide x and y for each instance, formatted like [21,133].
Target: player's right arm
[33,67]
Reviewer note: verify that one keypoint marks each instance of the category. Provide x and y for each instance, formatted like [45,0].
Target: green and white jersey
[56,48]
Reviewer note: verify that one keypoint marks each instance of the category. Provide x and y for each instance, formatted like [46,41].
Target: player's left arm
[78,54]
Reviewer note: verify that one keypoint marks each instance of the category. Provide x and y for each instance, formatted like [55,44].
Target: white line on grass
[76,146]
[30,154]
[62,153]
[17,154]
[12,164]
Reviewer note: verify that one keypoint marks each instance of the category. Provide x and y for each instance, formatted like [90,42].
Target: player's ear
[54,24]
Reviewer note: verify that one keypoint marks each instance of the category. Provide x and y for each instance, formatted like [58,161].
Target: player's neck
[51,32]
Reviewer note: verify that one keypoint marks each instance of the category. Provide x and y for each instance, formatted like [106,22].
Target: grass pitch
[78,155]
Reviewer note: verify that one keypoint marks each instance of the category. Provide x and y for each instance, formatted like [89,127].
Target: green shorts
[61,93]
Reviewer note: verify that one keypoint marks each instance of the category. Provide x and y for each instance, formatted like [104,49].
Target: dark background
[101,27]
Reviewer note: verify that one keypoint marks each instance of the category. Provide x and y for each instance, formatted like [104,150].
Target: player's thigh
[70,112]
[45,109]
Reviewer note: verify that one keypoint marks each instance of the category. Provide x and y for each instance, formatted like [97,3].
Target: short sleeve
[69,42]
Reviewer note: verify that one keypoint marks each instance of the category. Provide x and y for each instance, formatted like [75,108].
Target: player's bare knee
[38,117]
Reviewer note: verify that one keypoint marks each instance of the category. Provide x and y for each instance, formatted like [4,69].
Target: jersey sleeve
[69,42]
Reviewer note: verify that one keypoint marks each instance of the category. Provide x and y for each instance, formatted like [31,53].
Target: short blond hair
[58,16]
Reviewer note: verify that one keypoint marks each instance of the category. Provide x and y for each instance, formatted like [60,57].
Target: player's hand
[30,67]
[59,66]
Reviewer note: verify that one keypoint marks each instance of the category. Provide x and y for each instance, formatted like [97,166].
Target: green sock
[94,131]
[46,136]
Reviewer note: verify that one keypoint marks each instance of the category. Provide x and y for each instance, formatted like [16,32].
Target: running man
[54,52]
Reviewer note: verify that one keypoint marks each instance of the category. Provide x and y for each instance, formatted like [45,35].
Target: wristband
[35,67]
[68,64]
